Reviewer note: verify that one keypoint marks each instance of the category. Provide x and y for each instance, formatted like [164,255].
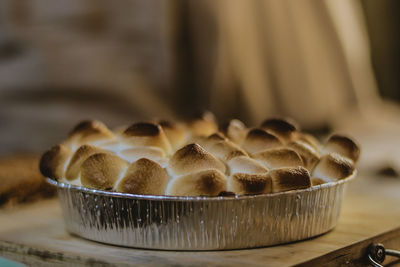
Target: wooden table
[34,234]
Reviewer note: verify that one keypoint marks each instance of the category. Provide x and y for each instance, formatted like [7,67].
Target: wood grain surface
[34,234]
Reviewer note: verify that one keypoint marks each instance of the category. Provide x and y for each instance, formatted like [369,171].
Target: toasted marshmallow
[202,183]
[332,167]
[258,140]
[215,137]
[289,178]
[208,141]
[307,153]
[236,131]
[248,176]
[319,181]
[222,148]
[204,125]
[119,130]
[245,164]
[193,158]
[102,170]
[279,157]
[90,131]
[147,134]
[342,145]
[113,145]
[175,133]
[226,150]
[80,155]
[309,139]
[147,158]
[245,183]
[144,177]
[149,152]
[53,161]
[281,128]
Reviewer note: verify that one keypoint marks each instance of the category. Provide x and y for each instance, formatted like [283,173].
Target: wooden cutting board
[34,234]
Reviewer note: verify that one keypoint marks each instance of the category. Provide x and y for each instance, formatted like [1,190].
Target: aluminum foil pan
[200,223]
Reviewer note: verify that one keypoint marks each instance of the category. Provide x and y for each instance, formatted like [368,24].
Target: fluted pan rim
[196,198]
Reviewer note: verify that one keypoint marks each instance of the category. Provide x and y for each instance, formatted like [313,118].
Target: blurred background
[330,65]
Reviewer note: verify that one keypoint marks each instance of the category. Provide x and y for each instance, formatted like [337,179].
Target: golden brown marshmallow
[193,158]
[175,133]
[148,147]
[309,139]
[89,131]
[210,140]
[147,134]
[202,183]
[279,157]
[222,148]
[289,178]
[281,128]
[248,176]
[342,145]
[307,153]
[245,164]
[236,131]
[133,154]
[205,125]
[318,181]
[245,183]
[144,177]
[258,140]
[52,162]
[101,170]
[226,150]
[80,155]
[333,167]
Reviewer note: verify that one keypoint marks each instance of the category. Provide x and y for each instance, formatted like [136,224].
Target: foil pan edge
[200,223]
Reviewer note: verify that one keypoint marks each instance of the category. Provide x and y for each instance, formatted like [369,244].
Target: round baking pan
[200,223]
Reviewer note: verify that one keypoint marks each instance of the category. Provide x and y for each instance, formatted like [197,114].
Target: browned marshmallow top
[281,128]
[195,159]
[342,145]
[90,131]
[258,140]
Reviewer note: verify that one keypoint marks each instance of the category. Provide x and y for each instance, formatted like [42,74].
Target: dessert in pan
[195,159]
[194,186]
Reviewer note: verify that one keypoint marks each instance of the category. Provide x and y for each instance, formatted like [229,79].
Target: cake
[197,158]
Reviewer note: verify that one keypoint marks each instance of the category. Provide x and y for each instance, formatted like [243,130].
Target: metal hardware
[377,254]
